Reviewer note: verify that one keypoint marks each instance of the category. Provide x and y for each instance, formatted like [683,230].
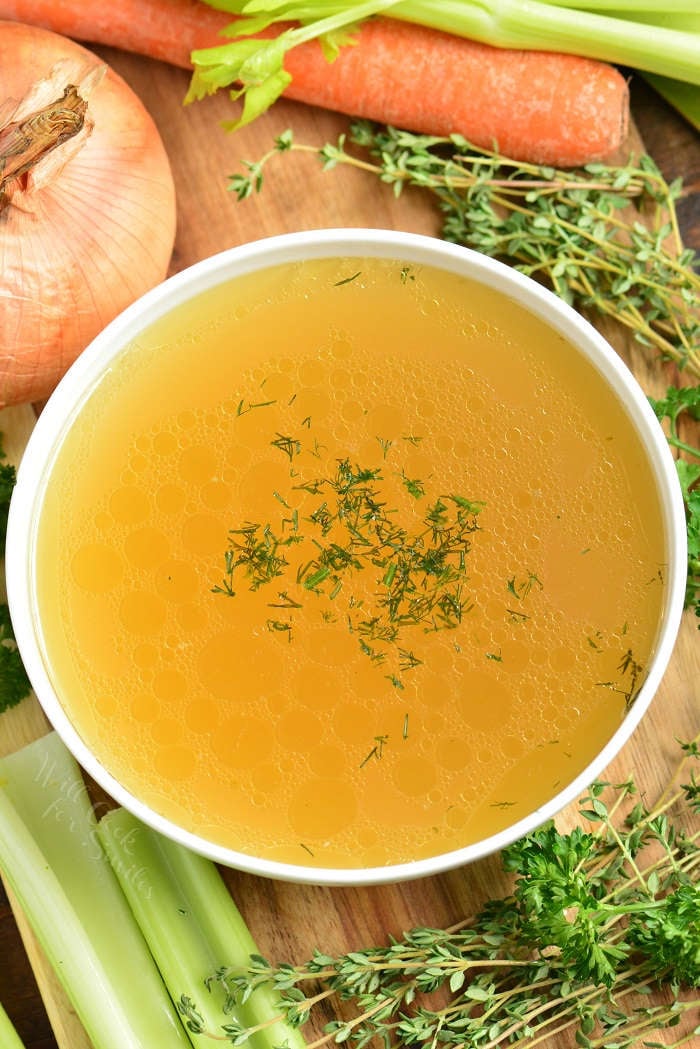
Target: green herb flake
[347,280]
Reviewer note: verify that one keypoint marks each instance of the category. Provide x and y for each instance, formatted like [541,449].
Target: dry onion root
[87,205]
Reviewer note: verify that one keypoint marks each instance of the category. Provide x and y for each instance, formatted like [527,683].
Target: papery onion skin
[79,249]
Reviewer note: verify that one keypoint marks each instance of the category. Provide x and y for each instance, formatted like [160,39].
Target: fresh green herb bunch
[598,918]
[678,403]
[14,683]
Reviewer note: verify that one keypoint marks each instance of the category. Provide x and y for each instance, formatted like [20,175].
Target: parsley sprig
[14,683]
[598,918]
[678,404]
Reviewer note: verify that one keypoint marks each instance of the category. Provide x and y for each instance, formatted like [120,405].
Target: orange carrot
[536,106]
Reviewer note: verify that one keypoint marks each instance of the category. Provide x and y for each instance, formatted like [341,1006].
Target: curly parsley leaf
[7,483]
[670,935]
[14,683]
[559,905]
[678,403]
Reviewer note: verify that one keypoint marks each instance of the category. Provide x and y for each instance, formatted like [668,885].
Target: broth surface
[349,563]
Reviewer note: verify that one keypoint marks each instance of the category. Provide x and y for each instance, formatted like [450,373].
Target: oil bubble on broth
[321,561]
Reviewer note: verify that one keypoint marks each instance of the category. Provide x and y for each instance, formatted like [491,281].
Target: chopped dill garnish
[280,626]
[244,408]
[413,485]
[347,280]
[631,668]
[345,527]
[407,661]
[288,445]
[285,601]
[520,590]
[376,751]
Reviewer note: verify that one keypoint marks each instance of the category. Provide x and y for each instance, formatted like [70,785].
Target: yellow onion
[87,205]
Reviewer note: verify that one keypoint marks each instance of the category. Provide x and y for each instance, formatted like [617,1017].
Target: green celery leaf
[216,67]
[258,98]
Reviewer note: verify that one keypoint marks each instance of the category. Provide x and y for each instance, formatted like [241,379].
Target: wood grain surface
[289,921]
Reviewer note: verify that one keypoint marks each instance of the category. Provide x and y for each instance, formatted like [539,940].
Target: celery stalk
[568,26]
[9,1039]
[193,927]
[632,8]
[683,97]
[51,857]
[538,24]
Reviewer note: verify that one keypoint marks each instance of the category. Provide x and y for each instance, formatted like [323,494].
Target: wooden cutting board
[289,921]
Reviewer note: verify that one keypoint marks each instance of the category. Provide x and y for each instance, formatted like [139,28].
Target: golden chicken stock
[349,562]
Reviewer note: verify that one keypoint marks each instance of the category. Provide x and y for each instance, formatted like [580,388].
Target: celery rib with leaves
[628,33]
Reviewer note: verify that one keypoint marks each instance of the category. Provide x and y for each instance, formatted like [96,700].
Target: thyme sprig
[570,229]
[598,919]
[604,238]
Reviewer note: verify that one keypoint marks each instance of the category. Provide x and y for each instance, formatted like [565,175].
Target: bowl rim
[59,413]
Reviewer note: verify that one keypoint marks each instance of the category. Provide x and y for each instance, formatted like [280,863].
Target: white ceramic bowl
[413,249]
